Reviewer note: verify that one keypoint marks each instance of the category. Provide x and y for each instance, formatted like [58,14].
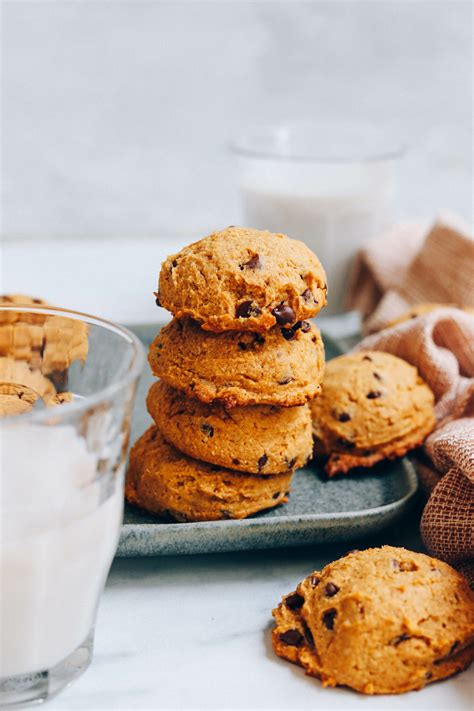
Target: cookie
[48,342]
[372,406]
[280,367]
[261,439]
[22,388]
[421,309]
[243,279]
[163,481]
[381,621]
[21,300]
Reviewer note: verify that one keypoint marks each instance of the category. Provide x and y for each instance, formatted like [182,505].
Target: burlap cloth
[413,264]
[434,267]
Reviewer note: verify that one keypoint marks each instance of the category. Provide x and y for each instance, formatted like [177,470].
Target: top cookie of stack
[242,279]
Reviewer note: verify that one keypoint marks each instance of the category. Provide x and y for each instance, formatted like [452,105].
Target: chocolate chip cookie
[261,439]
[243,279]
[280,367]
[165,482]
[381,621]
[372,406]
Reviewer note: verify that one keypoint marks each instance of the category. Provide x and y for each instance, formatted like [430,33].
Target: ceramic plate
[319,509]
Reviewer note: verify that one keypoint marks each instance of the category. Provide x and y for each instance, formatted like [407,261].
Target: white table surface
[190,632]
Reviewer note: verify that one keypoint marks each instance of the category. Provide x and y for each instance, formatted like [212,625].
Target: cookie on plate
[261,439]
[372,406]
[280,367]
[381,621]
[163,481]
[243,279]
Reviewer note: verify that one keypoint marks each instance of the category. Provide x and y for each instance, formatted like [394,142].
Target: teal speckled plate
[319,510]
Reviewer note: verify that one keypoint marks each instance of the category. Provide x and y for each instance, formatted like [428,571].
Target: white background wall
[116,114]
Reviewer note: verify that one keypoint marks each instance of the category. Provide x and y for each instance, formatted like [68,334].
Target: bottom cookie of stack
[163,481]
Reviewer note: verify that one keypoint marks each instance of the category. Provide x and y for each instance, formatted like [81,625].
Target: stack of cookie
[237,366]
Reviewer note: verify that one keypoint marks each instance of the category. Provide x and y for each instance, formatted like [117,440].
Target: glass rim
[133,372]
[243,144]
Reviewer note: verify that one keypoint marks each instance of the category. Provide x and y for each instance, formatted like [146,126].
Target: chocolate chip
[377,376]
[247,309]
[346,443]
[374,394]
[454,646]
[291,463]
[207,429]
[276,495]
[292,637]
[157,301]
[308,634]
[367,358]
[236,462]
[287,493]
[6,299]
[288,333]
[328,618]
[367,453]
[258,339]
[401,638]
[344,417]
[242,346]
[37,301]
[284,314]
[330,590]
[294,601]
[262,461]
[314,580]
[226,514]
[174,263]
[353,550]
[285,381]
[253,263]
[308,295]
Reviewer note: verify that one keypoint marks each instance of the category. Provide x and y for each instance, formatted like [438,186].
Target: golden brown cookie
[261,439]
[381,621]
[372,406]
[163,481]
[421,309]
[51,342]
[243,279]
[280,367]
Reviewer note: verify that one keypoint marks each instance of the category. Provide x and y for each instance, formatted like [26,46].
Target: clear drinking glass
[328,184]
[67,385]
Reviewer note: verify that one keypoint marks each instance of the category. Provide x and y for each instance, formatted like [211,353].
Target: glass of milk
[67,385]
[328,184]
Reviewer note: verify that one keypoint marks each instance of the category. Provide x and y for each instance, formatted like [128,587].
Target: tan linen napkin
[441,345]
[413,264]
